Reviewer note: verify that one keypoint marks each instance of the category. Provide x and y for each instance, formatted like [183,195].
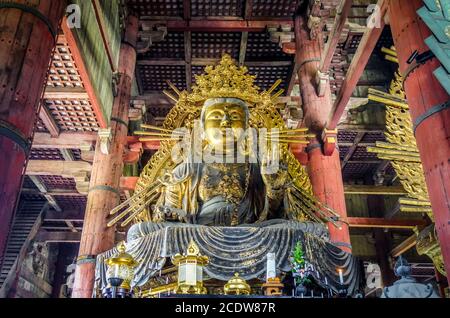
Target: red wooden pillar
[326,179]
[324,171]
[27,38]
[433,133]
[107,169]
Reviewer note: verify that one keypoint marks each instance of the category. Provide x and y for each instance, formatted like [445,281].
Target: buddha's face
[222,119]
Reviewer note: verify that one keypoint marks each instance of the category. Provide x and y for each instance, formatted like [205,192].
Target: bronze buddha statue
[226,192]
[237,204]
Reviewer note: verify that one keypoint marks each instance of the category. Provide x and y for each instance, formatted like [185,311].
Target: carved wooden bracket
[152,32]
[322,80]
[284,36]
[329,138]
[82,180]
[137,110]
[105,140]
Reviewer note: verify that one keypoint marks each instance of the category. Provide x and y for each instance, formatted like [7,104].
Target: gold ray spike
[159,139]
[281,141]
[156,128]
[274,86]
[277,94]
[296,130]
[291,136]
[173,87]
[136,197]
[139,210]
[389,51]
[170,96]
[149,133]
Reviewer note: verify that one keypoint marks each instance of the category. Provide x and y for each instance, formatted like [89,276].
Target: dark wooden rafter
[54,193]
[293,78]
[404,246]
[67,154]
[244,36]
[66,215]
[65,236]
[248,9]
[49,121]
[375,190]
[102,27]
[356,222]
[188,58]
[352,149]
[335,34]
[357,67]
[64,140]
[187,44]
[205,62]
[243,48]
[43,190]
[187,9]
[225,25]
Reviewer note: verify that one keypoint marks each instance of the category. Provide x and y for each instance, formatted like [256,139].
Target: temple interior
[355,95]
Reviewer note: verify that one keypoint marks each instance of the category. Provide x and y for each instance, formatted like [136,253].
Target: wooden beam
[54,193]
[342,13]
[64,140]
[352,149]
[65,92]
[71,226]
[362,128]
[65,237]
[384,223]
[43,190]
[374,190]
[225,25]
[187,9]
[67,154]
[248,9]
[57,168]
[406,245]
[205,62]
[77,57]
[49,121]
[243,48]
[188,58]
[162,61]
[105,38]
[65,215]
[357,66]
[293,78]
[58,237]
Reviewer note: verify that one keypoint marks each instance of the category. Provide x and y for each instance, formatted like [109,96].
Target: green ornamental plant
[298,264]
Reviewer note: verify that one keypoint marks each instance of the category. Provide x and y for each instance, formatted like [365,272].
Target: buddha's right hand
[172,213]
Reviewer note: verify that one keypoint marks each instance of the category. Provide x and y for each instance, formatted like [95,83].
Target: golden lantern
[120,270]
[237,286]
[190,270]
